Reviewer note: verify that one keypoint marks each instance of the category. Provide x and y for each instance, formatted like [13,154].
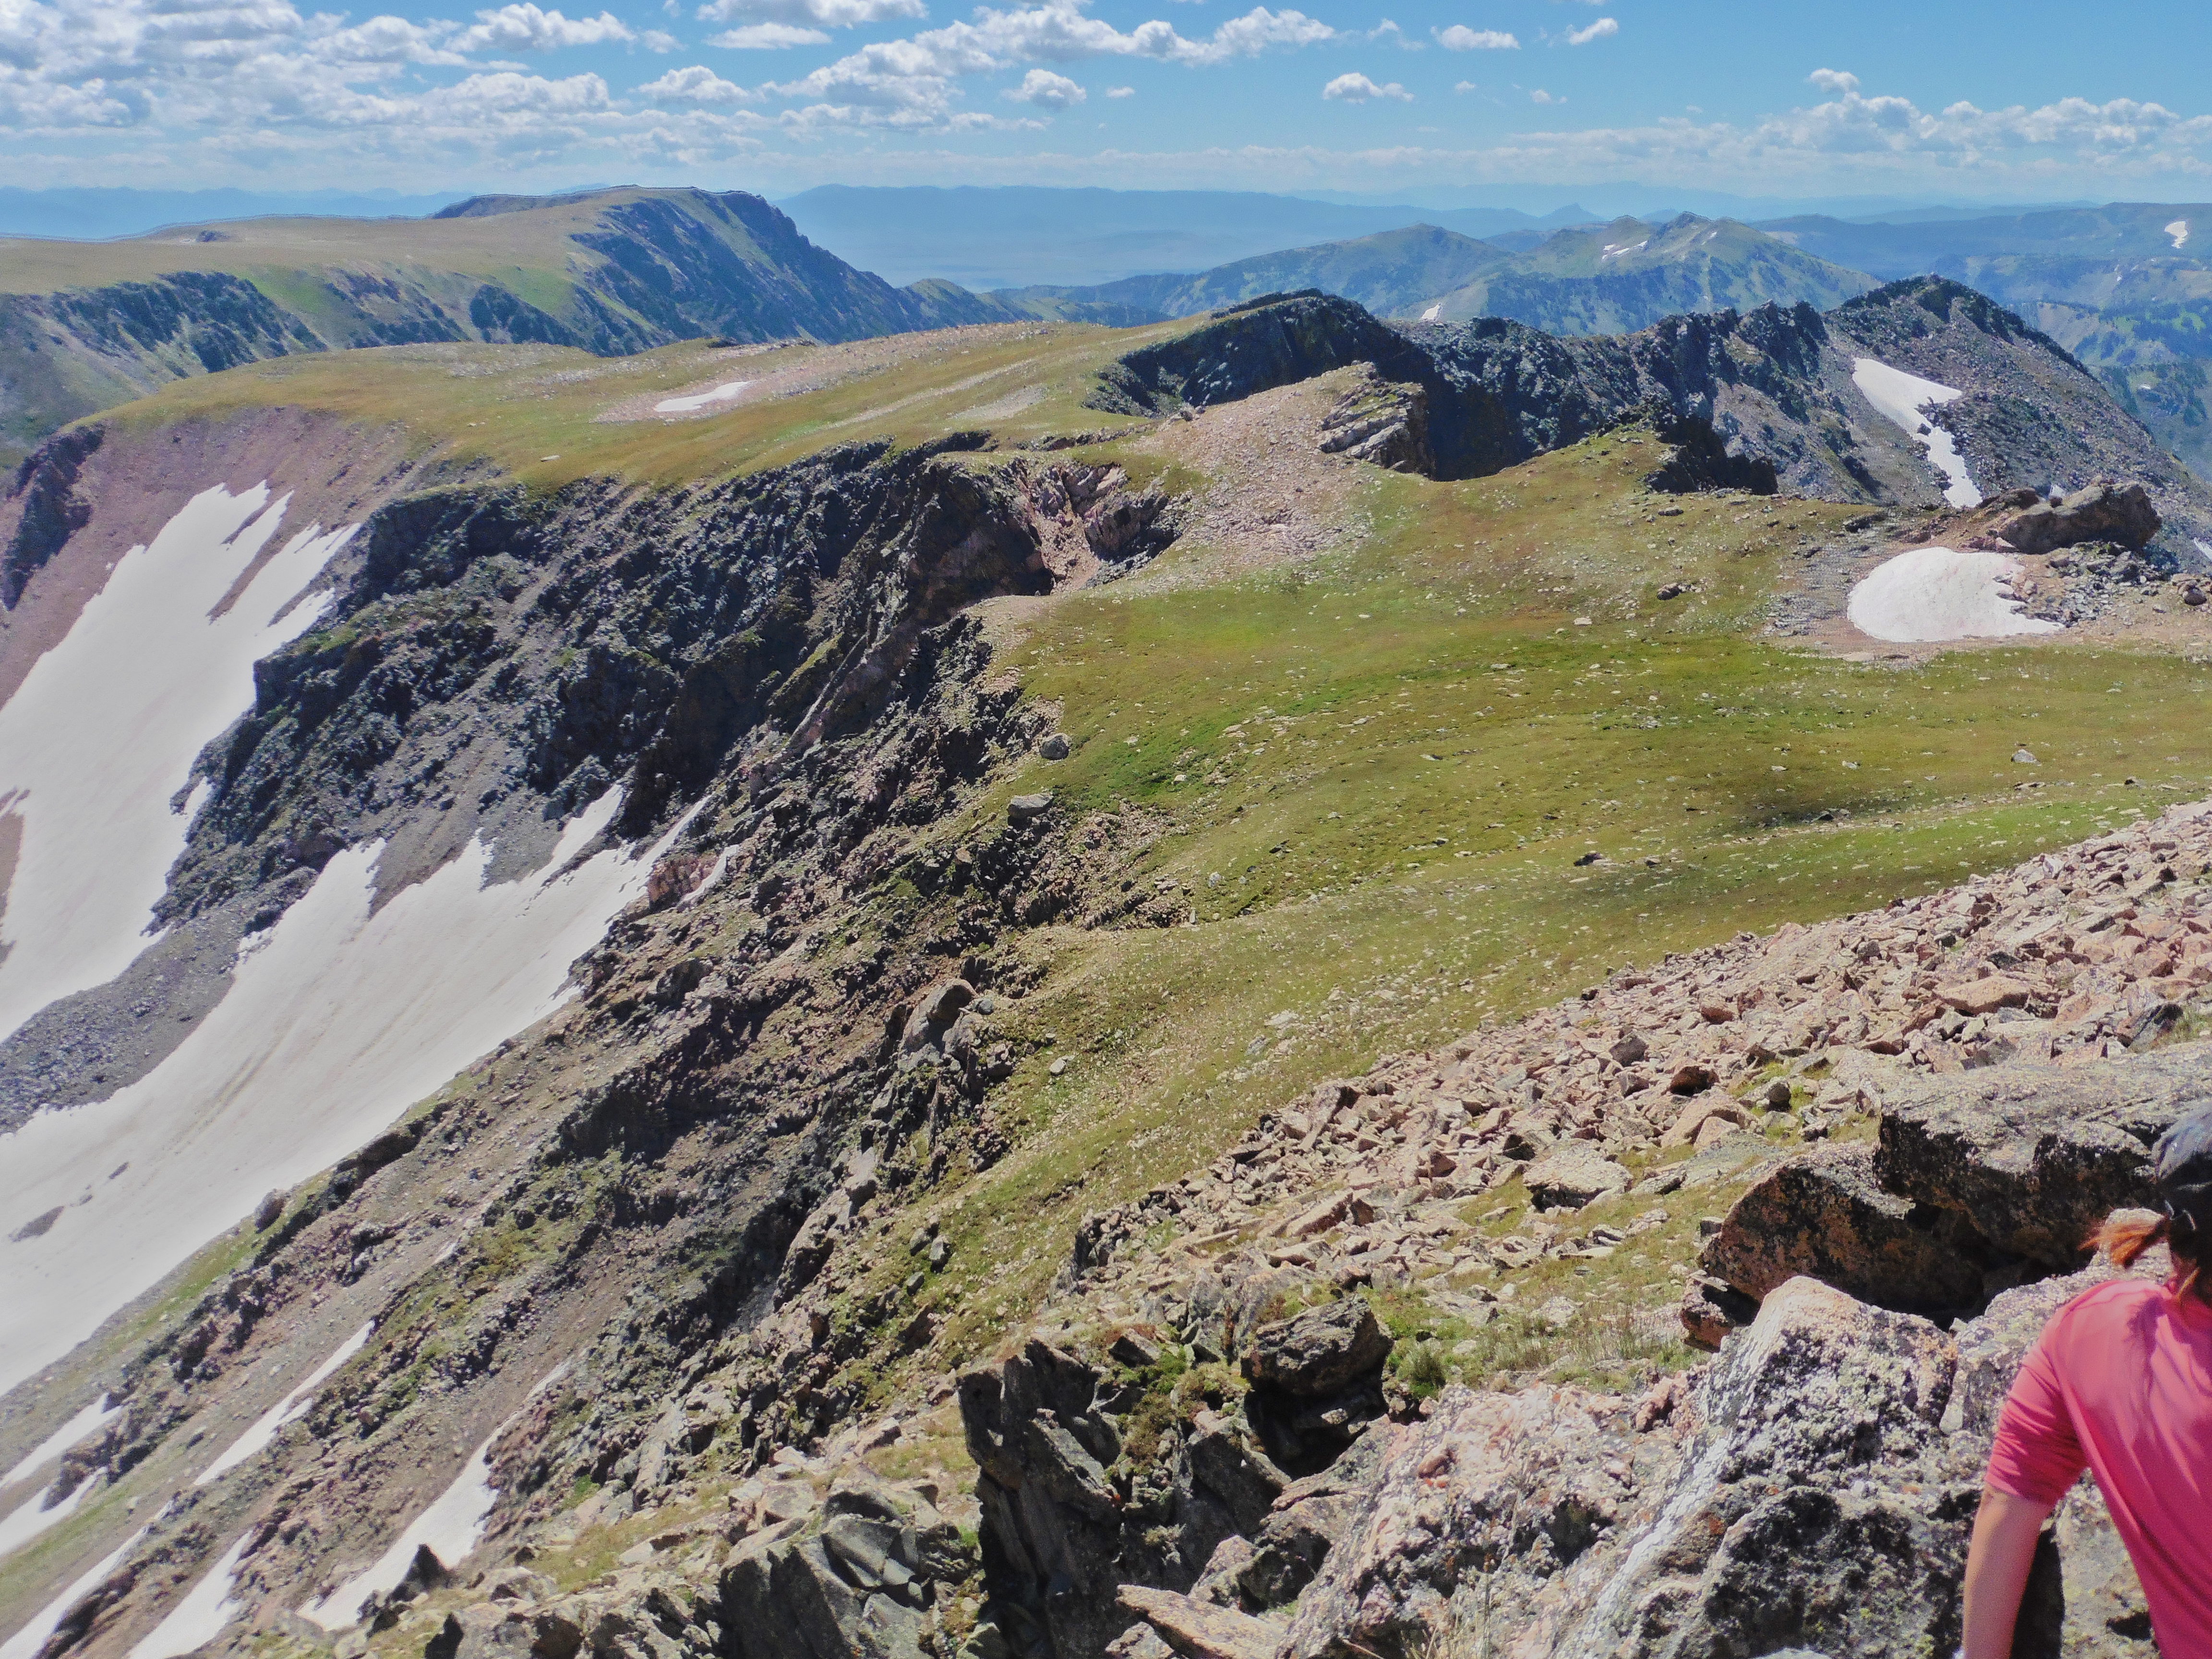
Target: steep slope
[2126,288]
[859,828]
[85,325]
[1604,279]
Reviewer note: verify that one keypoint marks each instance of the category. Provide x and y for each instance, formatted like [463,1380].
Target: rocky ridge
[1773,386]
[1902,1280]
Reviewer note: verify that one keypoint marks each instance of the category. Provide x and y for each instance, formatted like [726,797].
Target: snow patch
[330,1029]
[102,733]
[293,1405]
[75,1432]
[1942,594]
[452,1527]
[1900,398]
[26,1643]
[28,1520]
[199,1617]
[698,400]
[1430,314]
[2179,230]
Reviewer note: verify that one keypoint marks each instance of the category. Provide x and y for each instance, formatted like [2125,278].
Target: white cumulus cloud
[824,14]
[914,82]
[1604,29]
[525,27]
[1460,38]
[1120,92]
[1046,90]
[1541,96]
[767,37]
[693,84]
[1357,88]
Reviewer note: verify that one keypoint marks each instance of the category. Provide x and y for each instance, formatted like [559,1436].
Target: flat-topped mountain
[85,325]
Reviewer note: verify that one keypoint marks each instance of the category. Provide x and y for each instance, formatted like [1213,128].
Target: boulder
[2102,512]
[1027,809]
[1690,1122]
[1573,1174]
[1821,1214]
[2035,1156]
[1198,1629]
[1234,1469]
[1323,1350]
[855,1579]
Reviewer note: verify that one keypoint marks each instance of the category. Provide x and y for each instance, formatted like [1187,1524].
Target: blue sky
[1972,101]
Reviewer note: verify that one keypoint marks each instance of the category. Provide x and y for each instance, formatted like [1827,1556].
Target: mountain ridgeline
[724,1003]
[86,325]
[1774,386]
[1597,279]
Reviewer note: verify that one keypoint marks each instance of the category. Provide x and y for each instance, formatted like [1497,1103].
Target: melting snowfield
[1934,594]
[26,1643]
[452,1527]
[79,1429]
[199,1617]
[1901,399]
[293,1405]
[699,400]
[102,733]
[337,1019]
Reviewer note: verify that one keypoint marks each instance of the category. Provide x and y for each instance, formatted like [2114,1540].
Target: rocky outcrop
[1383,423]
[1814,1488]
[862,1576]
[2101,512]
[1758,400]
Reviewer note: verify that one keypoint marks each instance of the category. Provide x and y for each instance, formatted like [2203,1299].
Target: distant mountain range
[1019,237]
[1607,279]
[87,325]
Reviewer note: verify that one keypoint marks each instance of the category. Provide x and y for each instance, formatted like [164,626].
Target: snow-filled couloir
[337,1017]
[1902,399]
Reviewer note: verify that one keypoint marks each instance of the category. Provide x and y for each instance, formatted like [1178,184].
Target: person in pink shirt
[2120,1383]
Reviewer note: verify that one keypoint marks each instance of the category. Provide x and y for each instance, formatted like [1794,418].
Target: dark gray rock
[1322,1351]
[2102,512]
[1822,1214]
[2036,1157]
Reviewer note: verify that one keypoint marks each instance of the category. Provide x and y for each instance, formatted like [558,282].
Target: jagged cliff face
[1776,385]
[594,1012]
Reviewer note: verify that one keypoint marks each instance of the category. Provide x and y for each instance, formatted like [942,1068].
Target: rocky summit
[914,980]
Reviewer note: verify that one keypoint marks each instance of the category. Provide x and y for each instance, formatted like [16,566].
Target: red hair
[2126,1234]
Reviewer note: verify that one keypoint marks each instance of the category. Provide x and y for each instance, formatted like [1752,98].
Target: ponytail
[2126,1234]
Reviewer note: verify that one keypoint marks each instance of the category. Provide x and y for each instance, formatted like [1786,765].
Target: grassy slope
[1418,742]
[536,410]
[524,251]
[1389,757]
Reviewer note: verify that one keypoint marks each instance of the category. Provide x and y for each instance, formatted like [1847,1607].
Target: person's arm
[1997,1563]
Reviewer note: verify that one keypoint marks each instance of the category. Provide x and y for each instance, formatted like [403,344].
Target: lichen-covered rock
[2035,1157]
[1823,1215]
[1322,1351]
[1573,1175]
